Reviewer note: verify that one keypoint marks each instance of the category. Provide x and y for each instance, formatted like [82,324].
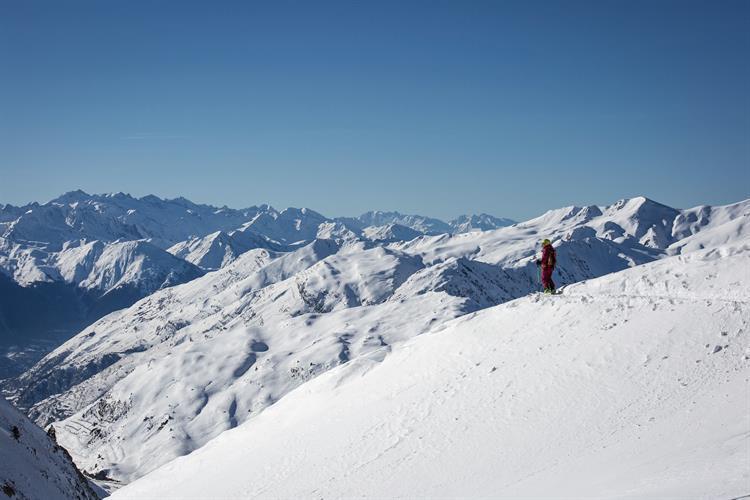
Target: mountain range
[81,256]
[182,365]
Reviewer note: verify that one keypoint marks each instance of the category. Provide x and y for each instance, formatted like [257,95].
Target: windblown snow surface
[631,385]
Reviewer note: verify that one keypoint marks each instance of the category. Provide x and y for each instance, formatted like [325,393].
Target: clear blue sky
[435,107]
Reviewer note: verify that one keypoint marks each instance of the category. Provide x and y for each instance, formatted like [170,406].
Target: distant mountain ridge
[37,240]
[77,215]
[110,217]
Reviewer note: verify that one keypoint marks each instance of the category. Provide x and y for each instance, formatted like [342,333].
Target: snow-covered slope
[708,227]
[337,231]
[633,385]
[78,248]
[32,465]
[278,232]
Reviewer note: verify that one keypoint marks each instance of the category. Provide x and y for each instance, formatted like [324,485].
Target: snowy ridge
[654,359]
[33,465]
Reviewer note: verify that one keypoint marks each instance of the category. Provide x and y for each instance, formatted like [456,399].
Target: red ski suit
[549,259]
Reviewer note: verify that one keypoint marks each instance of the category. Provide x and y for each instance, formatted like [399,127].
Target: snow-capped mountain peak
[71,197]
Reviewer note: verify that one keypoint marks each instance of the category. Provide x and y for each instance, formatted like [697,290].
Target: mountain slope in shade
[25,334]
[632,385]
[33,466]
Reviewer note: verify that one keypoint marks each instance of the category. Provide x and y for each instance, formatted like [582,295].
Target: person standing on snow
[547,262]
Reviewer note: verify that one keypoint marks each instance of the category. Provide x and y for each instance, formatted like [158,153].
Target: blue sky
[434,107]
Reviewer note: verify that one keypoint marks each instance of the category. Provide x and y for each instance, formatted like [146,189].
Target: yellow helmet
[546,242]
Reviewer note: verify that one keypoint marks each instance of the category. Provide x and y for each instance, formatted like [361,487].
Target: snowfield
[628,386]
